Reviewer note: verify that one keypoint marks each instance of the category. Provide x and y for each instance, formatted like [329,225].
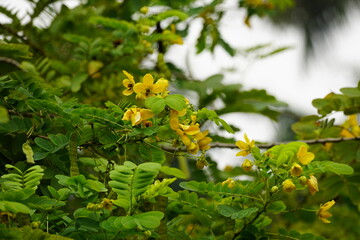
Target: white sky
[282,75]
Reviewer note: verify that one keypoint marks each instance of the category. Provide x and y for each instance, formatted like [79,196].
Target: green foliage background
[73,168]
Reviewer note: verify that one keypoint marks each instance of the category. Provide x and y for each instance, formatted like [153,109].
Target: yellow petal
[129,76]
[190,129]
[179,132]
[146,114]
[327,205]
[148,80]
[127,92]
[135,118]
[128,83]
[205,141]
[325,220]
[174,123]
[246,138]
[127,115]
[186,140]
[242,153]
[193,148]
[199,136]
[241,144]
[181,113]
[313,185]
[325,214]
[302,151]
[139,88]
[140,96]
[309,156]
[160,86]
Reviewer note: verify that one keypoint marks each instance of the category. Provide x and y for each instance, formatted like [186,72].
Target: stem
[269,145]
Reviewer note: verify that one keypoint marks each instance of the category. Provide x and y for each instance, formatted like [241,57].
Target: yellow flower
[137,115]
[351,127]
[313,185]
[288,185]
[147,88]
[296,170]
[203,140]
[192,148]
[245,146]
[323,211]
[304,156]
[128,83]
[229,182]
[106,204]
[246,165]
[191,129]
[303,180]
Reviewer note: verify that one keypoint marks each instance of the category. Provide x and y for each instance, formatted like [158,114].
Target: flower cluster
[323,211]
[245,148]
[303,157]
[190,134]
[105,204]
[145,89]
[187,129]
[138,116]
[351,127]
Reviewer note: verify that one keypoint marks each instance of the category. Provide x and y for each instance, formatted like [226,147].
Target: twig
[11,61]
[268,145]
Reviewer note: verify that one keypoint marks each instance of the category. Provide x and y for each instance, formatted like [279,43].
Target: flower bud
[303,180]
[288,185]
[229,182]
[296,170]
[274,189]
[144,10]
[313,185]
[247,165]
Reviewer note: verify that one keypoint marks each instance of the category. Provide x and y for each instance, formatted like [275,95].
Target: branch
[11,61]
[268,145]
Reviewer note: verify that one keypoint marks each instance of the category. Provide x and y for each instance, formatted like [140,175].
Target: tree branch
[269,145]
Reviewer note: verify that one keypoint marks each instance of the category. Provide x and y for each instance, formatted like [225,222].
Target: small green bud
[144,10]
[274,189]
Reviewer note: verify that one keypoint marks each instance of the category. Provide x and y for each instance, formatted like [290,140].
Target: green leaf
[95,185]
[59,140]
[149,219]
[236,212]
[129,181]
[44,144]
[14,207]
[114,23]
[276,207]
[176,102]
[77,80]
[173,172]
[53,192]
[338,168]
[351,92]
[156,104]
[128,222]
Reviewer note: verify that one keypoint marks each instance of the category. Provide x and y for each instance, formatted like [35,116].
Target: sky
[283,75]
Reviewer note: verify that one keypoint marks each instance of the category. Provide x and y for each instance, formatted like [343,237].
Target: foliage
[80,160]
